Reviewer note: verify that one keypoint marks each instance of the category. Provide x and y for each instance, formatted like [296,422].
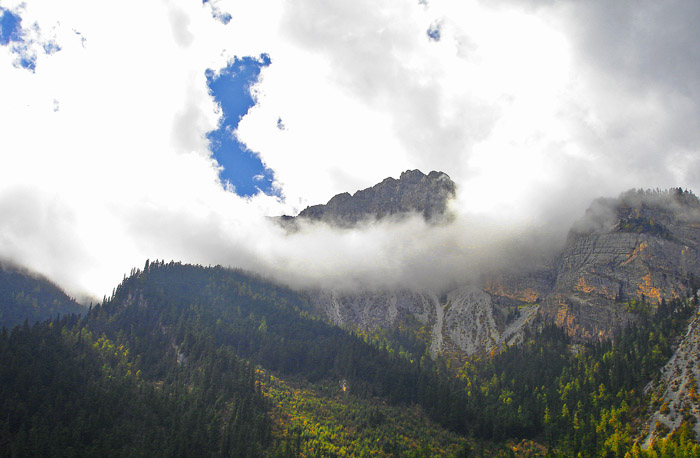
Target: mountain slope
[463,321]
[675,395]
[174,345]
[624,255]
[176,340]
[26,296]
[66,392]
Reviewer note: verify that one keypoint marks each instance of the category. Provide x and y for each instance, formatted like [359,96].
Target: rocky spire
[413,192]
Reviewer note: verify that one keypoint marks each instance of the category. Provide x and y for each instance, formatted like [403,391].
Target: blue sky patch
[434,32]
[217,14]
[27,61]
[230,87]
[10,27]
[51,47]
[22,42]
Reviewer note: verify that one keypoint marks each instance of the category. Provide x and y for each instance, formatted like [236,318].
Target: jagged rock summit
[413,192]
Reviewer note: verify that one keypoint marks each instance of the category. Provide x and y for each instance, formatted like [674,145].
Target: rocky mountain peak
[413,192]
[652,212]
[625,255]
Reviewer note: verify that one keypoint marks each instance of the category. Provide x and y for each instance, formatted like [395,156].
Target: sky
[171,129]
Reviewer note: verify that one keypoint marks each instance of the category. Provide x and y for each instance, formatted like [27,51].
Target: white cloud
[533,108]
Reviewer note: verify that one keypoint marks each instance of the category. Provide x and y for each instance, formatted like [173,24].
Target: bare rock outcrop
[675,394]
[625,254]
[464,321]
[414,192]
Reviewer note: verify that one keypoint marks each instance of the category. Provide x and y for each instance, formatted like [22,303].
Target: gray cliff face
[464,321]
[413,192]
[625,254]
[639,248]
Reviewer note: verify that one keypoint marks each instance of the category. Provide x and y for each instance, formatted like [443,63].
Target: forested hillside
[166,367]
[191,361]
[26,296]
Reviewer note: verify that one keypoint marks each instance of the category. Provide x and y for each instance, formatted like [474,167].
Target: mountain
[625,260]
[624,255]
[28,296]
[414,192]
[592,353]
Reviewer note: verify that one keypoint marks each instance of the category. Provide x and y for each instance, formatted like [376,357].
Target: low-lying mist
[403,253]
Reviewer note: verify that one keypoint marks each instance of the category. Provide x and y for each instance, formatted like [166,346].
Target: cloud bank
[533,108]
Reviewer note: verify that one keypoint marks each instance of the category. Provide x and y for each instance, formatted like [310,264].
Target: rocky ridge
[414,192]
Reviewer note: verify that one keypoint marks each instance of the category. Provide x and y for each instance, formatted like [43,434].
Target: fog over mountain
[403,250]
[532,108]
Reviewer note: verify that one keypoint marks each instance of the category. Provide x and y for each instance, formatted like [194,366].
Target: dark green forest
[24,296]
[185,360]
